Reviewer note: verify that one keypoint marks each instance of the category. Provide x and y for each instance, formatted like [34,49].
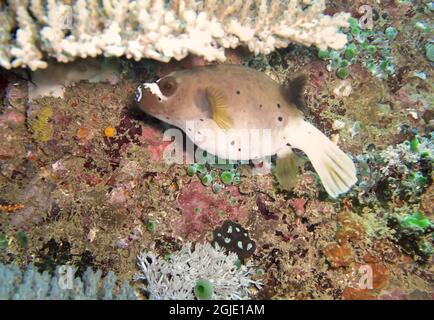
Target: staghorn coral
[176,277]
[32,285]
[159,29]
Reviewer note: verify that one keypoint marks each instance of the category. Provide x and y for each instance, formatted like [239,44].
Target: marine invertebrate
[40,126]
[228,177]
[233,237]
[203,290]
[33,285]
[159,30]
[207,176]
[371,48]
[110,132]
[151,225]
[200,265]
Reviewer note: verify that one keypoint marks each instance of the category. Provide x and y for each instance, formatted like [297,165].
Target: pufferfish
[238,113]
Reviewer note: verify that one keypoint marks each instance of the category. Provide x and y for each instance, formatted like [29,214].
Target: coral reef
[83,183]
[202,210]
[233,237]
[158,29]
[177,277]
[31,285]
[414,233]
[402,171]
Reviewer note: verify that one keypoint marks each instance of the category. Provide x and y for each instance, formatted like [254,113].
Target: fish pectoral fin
[219,108]
[286,170]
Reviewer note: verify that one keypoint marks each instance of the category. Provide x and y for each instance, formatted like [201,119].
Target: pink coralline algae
[118,195]
[202,210]
[298,205]
[155,142]
[11,119]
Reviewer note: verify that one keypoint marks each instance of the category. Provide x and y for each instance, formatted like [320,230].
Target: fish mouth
[150,88]
[148,99]
[138,94]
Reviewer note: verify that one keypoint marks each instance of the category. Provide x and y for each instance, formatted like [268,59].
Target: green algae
[203,289]
[151,226]
[227,177]
[369,47]
[22,239]
[429,51]
[416,220]
[217,187]
[3,241]
[207,179]
[40,127]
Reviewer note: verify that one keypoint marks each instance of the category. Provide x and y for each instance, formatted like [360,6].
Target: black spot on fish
[278,105]
[280,119]
[239,149]
[232,142]
[201,119]
[238,92]
[260,106]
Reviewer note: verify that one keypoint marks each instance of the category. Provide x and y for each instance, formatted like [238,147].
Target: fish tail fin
[335,169]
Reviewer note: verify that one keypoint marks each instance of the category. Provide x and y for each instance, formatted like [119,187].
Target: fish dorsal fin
[219,107]
[294,90]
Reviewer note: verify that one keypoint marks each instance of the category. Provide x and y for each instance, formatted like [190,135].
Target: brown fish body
[238,113]
[253,100]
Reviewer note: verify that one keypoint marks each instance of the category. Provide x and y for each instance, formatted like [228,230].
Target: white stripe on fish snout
[138,93]
[155,90]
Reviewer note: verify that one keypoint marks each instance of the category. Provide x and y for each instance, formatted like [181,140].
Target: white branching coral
[175,277]
[159,29]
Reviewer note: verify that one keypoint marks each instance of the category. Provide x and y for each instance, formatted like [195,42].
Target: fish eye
[168,86]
